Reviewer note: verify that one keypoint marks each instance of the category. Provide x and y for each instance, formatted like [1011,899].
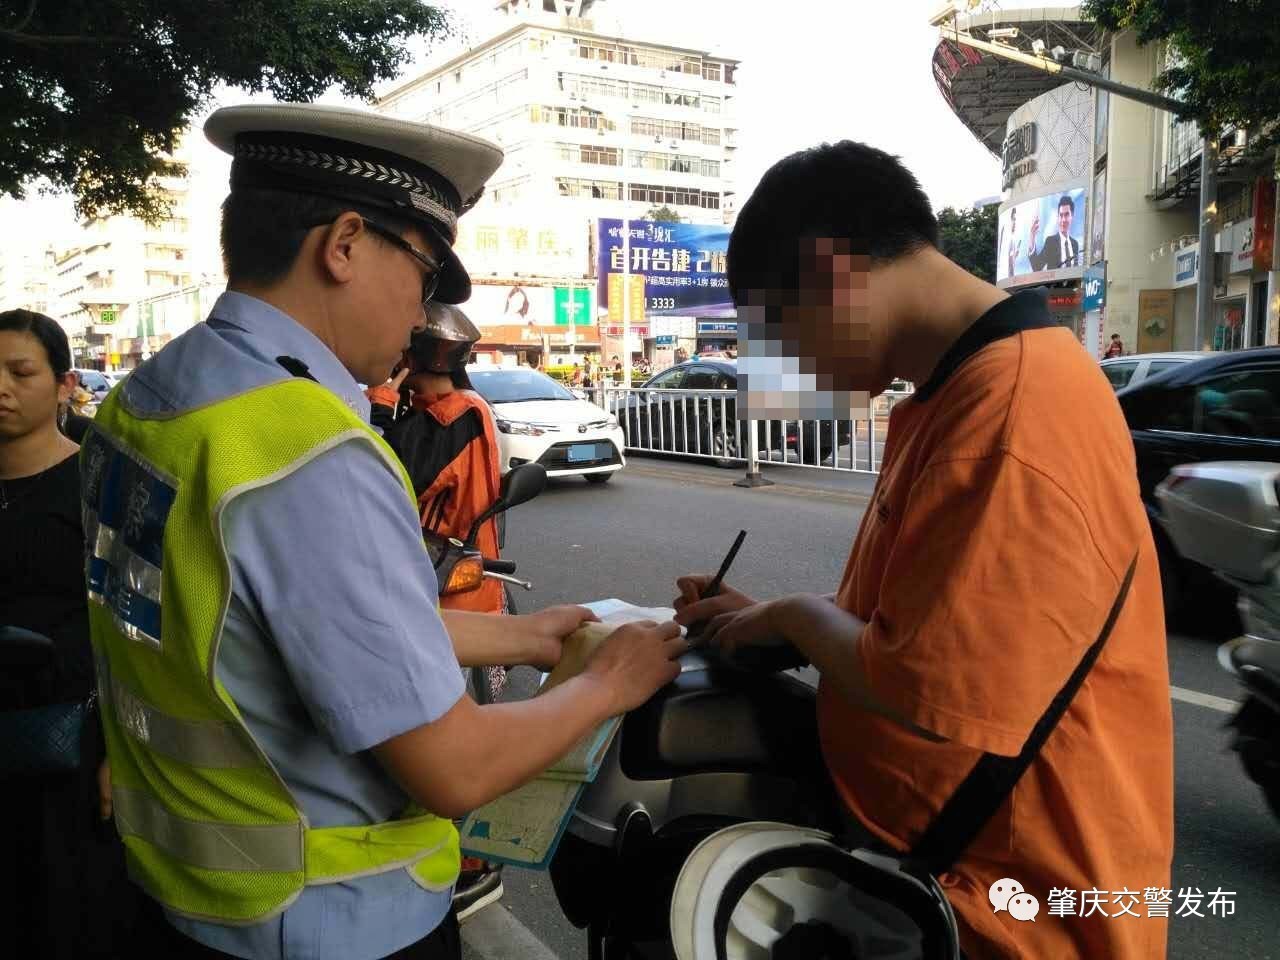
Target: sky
[812,71]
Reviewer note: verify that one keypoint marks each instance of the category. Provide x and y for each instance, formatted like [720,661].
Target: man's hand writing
[689,609]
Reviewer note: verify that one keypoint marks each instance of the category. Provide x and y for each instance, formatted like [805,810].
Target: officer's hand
[547,629]
[637,660]
[689,609]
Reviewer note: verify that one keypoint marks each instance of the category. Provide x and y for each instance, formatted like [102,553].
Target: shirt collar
[274,333]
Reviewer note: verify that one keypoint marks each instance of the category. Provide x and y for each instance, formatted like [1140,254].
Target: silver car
[1126,371]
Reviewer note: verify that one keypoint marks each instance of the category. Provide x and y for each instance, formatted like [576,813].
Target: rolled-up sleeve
[330,560]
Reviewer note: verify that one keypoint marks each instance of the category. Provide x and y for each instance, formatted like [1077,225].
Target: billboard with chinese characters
[683,265]
[1042,239]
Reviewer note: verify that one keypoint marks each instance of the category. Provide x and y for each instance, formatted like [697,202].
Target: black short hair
[1066,201]
[843,190]
[263,230]
[45,329]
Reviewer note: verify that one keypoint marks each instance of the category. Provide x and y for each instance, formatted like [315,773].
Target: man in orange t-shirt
[1002,526]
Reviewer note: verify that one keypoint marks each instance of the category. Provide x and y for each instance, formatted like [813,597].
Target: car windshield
[95,381]
[516,386]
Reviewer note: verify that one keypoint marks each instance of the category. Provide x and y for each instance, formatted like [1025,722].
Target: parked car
[1223,406]
[115,376]
[96,382]
[541,421]
[683,423]
[1132,370]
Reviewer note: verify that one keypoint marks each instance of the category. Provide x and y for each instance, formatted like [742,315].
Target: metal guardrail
[704,424]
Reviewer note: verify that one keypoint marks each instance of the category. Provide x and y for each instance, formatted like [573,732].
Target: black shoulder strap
[296,367]
[993,777]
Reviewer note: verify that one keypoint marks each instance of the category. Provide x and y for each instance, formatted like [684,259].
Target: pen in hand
[695,629]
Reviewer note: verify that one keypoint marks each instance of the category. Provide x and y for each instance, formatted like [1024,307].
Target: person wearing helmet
[445,436]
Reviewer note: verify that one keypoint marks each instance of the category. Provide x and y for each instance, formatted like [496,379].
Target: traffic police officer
[285,718]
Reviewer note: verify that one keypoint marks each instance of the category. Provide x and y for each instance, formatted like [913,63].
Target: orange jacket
[464,489]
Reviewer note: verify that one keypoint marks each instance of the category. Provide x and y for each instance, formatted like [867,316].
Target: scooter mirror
[519,486]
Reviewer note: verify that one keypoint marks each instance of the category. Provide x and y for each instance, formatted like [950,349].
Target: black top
[424,446]
[42,586]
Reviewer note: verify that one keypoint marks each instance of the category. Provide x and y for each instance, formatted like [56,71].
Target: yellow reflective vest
[211,829]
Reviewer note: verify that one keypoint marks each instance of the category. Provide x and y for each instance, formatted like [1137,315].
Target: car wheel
[598,478]
[721,443]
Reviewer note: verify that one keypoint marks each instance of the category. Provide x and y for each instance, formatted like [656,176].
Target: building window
[674,163]
[674,196]
[584,153]
[674,130]
[711,104]
[711,71]
[589,189]
[571,117]
[1235,201]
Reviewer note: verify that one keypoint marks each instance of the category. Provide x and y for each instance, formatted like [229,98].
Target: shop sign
[1095,288]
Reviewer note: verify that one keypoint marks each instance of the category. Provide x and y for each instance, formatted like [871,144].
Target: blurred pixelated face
[1064,219]
[815,350]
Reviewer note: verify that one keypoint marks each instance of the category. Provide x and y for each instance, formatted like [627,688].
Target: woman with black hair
[65,880]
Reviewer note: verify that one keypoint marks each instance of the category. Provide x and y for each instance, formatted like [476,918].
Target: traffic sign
[575,303]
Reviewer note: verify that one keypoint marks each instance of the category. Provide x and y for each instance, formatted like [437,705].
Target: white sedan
[540,421]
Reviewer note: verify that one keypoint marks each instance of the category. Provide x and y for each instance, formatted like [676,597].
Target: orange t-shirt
[1005,517]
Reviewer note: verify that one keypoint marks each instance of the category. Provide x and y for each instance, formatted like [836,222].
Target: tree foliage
[1228,65]
[663,214]
[968,237]
[93,93]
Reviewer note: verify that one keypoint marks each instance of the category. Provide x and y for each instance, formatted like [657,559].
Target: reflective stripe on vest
[211,829]
[201,744]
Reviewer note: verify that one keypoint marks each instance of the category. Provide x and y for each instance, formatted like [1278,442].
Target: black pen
[712,588]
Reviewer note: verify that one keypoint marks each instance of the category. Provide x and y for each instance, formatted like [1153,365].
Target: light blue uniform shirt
[332,641]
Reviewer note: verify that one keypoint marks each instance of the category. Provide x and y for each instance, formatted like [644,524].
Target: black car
[1224,407]
[683,423]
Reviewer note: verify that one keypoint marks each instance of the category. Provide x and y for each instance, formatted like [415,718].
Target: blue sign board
[1186,264]
[665,340]
[1095,288]
[684,266]
[717,326]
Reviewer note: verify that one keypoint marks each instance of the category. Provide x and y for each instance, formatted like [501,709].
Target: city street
[657,518]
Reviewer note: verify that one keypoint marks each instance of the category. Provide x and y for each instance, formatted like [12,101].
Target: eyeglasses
[431,279]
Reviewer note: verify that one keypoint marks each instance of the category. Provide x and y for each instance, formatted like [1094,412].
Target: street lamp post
[1208,156]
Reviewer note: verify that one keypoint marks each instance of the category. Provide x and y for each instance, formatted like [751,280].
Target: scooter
[1227,516]
[726,743]
[461,567]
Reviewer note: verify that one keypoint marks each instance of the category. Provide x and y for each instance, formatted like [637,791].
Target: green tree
[93,93]
[968,237]
[663,214]
[1229,53]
